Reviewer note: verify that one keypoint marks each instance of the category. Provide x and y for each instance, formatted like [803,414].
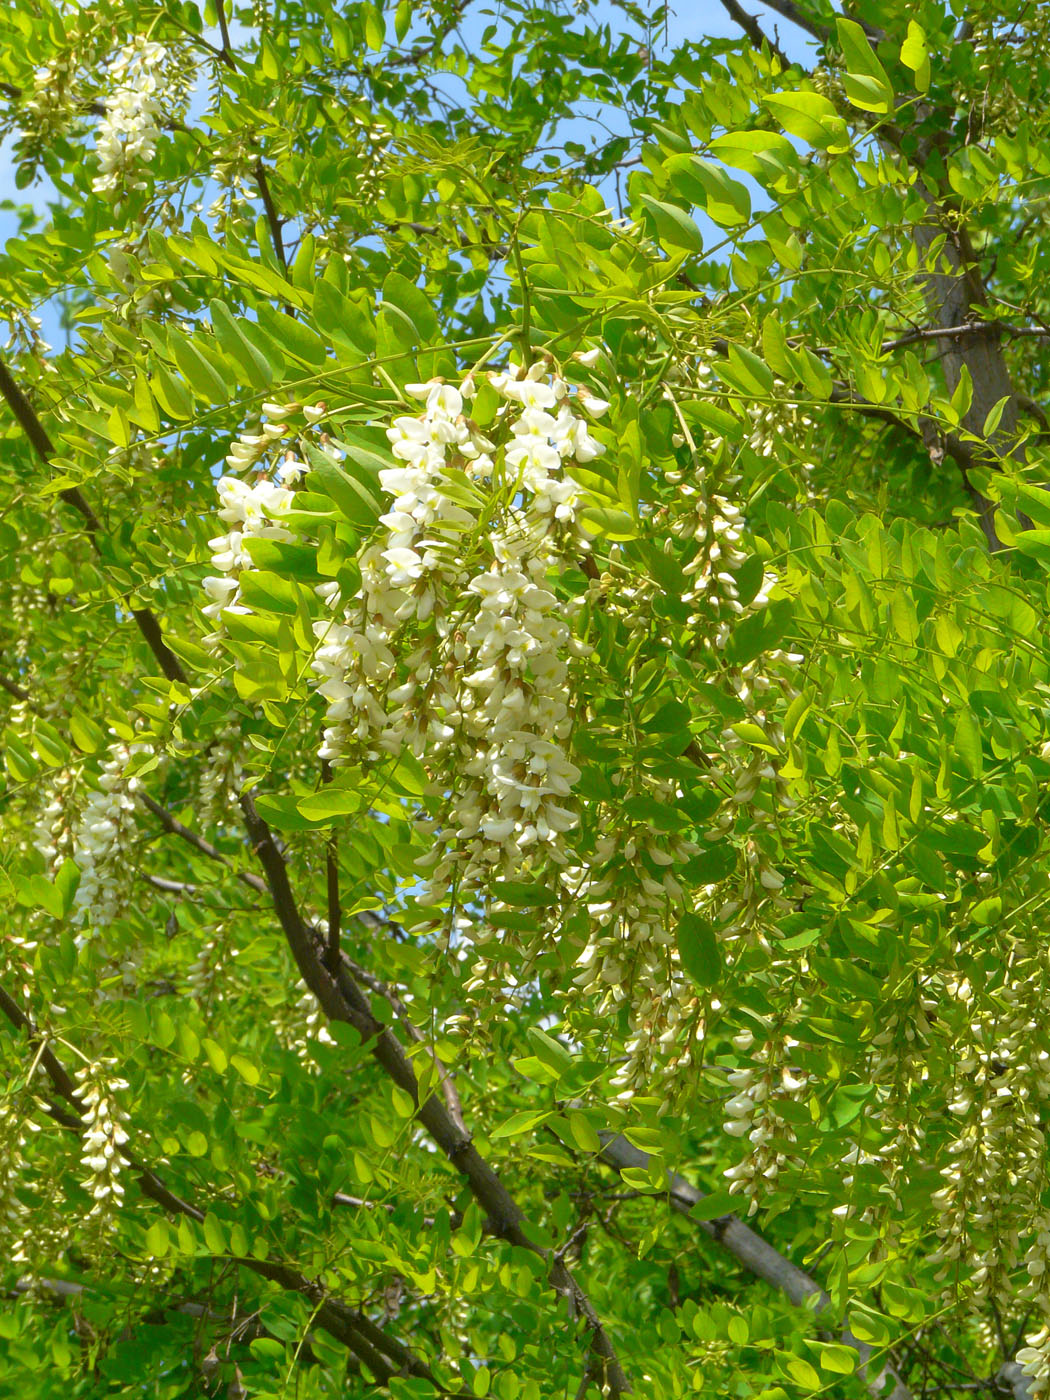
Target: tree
[526,723]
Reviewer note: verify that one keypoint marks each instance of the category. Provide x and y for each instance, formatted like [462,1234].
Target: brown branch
[72,495]
[341,998]
[13,689]
[448,1086]
[176,828]
[788,10]
[272,218]
[751,27]
[226,52]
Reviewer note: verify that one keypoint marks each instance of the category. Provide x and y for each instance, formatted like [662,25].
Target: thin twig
[176,828]
[751,27]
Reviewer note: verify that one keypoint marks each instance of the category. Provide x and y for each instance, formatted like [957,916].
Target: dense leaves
[525,720]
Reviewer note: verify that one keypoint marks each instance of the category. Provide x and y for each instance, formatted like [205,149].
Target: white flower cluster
[12,1142]
[55,835]
[300,1024]
[213,958]
[102,837]
[634,899]
[253,511]
[455,648]
[127,135]
[994,1179]
[53,100]
[753,1112]
[104,1136]
[221,776]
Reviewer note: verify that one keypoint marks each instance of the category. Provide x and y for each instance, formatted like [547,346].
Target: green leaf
[255,369]
[355,501]
[375,29]
[157,1239]
[205,381]
[812,117]
[867,85]
[707,184]
[247,1069]
[698,949]
[88,736]
[294,337]
[520,894]
[842,1360]
[715,1206]
[268,58]
[745,372]
[914,55]
[608,522]
[674,227]
[329,803]
[967,744]
[988,911]
[553,1054]
[712,418]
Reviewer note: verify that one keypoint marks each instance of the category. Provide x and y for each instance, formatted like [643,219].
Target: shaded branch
[272,219]
[176,828]
[13,689]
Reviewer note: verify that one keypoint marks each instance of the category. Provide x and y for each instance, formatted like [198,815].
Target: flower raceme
[456,649]
[127,135]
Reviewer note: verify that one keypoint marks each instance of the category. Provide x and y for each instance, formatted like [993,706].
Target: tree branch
[342,999]
[272,218]
[13,689]
[751,27]
[788,10]
[968,328]
[176,828]
[72,495]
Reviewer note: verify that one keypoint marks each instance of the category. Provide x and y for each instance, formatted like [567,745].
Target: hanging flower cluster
[55,836]
[753,1111]
[102,838]
[634,899]
[104,1136]
[127,135]
[456,648]
[253,511]
[221,777]
[12,1141]
[53,101]
[993,1182]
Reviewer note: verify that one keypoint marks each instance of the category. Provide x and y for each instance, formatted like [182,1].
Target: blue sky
[686,21]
